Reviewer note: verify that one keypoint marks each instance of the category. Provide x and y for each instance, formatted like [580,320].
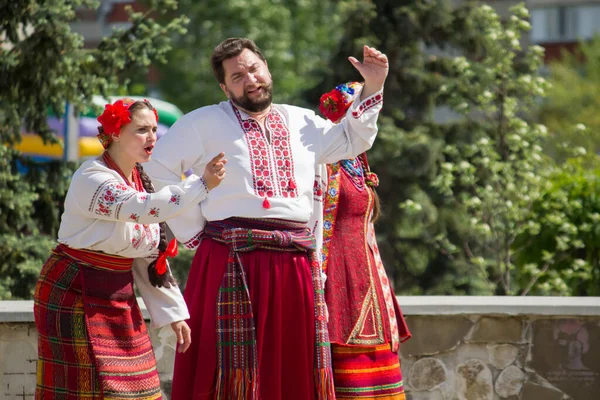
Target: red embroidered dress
[92,338]
[363,311]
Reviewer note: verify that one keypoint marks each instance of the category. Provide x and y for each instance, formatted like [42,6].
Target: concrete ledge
[16,311]
[22,311]
[501,305]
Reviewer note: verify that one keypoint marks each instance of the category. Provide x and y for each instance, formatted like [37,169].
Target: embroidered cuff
[374,100]
[194,242]
[204,184]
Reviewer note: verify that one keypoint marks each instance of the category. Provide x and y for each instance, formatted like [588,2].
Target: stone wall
[463,348]
[480,357]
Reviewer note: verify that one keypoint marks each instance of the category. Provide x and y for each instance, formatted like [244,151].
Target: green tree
[570,110]
[559,250]
[44,65]
[458,158]
[499,175]
[296,38]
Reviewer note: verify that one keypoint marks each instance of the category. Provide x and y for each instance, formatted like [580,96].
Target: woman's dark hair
[376,202]
[167,279]
[376,206]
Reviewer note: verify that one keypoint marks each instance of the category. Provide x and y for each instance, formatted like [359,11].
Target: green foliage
[498,173]
[22,259]
[459,161]
[296,38]
[23,247]
[570,111]
[559,250]
[471,203]
[180,265]
[44,65]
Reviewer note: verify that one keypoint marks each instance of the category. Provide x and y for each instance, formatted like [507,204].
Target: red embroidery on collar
[272,163]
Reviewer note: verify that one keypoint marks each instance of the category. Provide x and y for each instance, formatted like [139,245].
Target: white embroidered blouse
[103,213]
[267,176]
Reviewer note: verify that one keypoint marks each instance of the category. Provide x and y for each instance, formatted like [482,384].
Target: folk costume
[254,290]
[93,342]
[365,321]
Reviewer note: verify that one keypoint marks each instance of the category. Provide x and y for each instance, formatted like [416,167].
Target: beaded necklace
[355,170]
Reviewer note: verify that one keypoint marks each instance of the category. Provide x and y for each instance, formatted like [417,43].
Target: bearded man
[254,290]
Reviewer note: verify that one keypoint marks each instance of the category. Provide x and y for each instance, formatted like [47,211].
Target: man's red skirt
[282,296]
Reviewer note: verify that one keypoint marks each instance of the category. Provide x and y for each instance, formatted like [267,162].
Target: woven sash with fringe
[238,364]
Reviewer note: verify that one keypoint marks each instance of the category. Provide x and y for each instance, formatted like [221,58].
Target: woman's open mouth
[148,149]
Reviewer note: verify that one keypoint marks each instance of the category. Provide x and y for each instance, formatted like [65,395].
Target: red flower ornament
[332,105]
[114,117]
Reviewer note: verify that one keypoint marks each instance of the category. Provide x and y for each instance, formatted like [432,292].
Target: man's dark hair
[229,48]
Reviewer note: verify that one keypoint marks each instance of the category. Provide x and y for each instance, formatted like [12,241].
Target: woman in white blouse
[93,342]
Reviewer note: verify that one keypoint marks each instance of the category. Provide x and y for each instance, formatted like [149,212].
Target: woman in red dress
[366,325]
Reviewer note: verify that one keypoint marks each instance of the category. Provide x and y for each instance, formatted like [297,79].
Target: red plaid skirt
[93,342]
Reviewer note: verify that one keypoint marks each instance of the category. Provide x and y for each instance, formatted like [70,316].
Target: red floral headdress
[114,117]
[335,103]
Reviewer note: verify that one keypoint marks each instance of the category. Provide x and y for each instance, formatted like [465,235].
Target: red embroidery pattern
[110,197]
[265,157]
[367,104]
[318,189]
[175,198]
[102,210]
[154,211]
[137,236]
[194,242]
[149,235]
[107,195]
[143,233]
[282,151]
[155,236]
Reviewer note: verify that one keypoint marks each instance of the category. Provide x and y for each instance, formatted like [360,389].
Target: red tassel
[266,203]
[292,184]
[161,262]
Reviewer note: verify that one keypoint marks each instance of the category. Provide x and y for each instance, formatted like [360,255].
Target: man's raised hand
[374,70]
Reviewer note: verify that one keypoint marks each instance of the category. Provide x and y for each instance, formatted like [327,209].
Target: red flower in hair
[114,117]
[332,105]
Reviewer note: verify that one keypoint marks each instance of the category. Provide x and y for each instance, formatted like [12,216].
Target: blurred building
[557,25]
[94,24]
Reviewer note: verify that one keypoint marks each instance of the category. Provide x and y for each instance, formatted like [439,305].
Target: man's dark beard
[248,104]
